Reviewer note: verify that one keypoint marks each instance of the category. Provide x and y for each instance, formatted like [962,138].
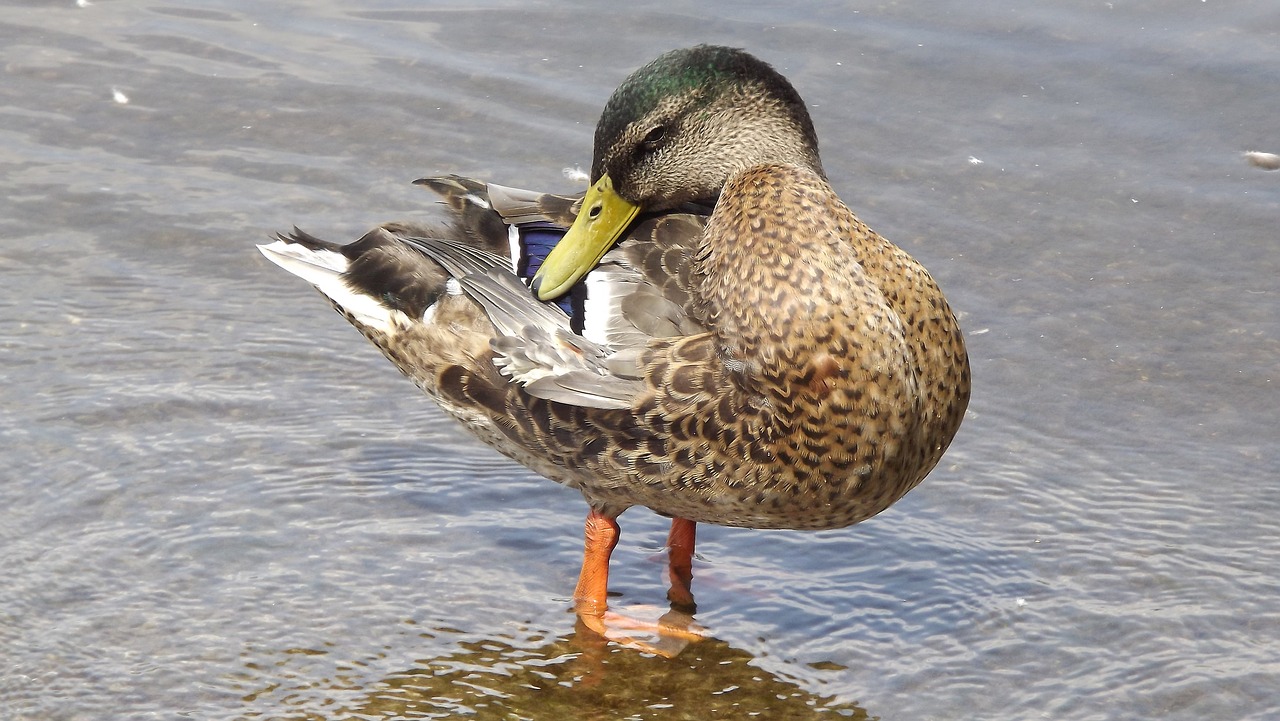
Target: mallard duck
[715,336]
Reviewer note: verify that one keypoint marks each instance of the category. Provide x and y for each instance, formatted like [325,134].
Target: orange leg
[589,598]
[680,564]
[675,629]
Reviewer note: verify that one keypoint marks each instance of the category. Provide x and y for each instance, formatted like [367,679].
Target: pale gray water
[219,502]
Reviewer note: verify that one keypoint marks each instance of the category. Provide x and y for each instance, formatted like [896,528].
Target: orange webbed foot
[665,636]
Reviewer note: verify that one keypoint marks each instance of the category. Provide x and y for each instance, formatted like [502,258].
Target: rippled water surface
[218,501]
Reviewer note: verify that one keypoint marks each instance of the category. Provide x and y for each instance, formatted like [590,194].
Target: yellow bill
[604,217]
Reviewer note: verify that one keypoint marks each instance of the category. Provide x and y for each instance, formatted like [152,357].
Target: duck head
[674,132]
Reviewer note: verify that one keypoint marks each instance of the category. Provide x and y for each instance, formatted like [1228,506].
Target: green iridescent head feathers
[696,77]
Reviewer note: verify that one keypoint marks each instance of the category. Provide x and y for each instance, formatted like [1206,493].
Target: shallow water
[219,502]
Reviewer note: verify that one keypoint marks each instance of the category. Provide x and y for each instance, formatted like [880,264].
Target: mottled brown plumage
[774,364]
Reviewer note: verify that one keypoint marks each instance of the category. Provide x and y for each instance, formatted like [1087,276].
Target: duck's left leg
[680,543]
[589,598]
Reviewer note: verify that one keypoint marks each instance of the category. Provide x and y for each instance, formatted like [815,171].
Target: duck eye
[654,138]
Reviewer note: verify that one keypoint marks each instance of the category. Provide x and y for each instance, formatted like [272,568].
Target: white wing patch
[324,269]
[516,247]
[473,198]
[606,287]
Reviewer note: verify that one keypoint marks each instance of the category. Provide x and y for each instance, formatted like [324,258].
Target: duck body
[768,363]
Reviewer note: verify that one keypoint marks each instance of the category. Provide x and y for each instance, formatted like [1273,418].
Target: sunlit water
[220,502]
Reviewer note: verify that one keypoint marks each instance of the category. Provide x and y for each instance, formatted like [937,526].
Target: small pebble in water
[1266,161]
